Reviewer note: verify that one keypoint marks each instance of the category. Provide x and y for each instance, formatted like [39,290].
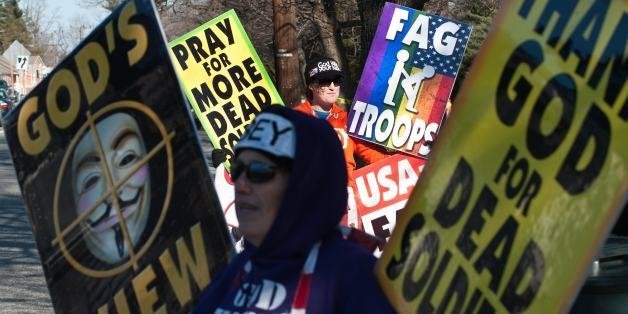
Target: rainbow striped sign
[407,79]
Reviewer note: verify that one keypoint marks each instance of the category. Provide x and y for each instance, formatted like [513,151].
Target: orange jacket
[338,120]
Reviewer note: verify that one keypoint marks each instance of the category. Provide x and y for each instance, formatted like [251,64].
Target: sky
[69,9]
[69,13]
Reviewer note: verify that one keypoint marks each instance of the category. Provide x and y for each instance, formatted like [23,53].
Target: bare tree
[181,16]
[78,28]
[286,53]
[105,4]
[48,41]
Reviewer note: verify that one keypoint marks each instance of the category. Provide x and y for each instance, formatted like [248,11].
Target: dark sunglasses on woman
[256,171]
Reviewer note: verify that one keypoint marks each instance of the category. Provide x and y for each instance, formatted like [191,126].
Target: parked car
[5,104]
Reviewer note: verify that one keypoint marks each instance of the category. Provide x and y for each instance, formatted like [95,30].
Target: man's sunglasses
[256,171]
[336,81]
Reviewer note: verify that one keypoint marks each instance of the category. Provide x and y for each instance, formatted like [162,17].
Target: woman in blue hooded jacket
[290,194]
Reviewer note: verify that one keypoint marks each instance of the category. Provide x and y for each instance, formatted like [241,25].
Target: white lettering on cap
[270,133]
[324,66]
[328,66]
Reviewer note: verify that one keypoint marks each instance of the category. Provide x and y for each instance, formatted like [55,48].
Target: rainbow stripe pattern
[407,79]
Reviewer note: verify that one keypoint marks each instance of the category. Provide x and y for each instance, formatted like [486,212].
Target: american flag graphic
[446,65]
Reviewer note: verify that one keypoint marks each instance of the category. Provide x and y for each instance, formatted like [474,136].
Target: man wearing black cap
[323,77]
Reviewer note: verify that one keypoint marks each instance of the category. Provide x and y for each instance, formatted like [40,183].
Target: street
[22,282]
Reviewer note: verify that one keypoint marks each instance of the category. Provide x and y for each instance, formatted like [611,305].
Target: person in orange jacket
[323,77]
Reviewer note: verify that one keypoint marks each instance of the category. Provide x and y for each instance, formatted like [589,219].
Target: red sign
[382,189]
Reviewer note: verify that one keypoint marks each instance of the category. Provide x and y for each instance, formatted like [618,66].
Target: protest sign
[530,172]
[225,188]
[407,79]
[382,189]
[113,176]
[223,78]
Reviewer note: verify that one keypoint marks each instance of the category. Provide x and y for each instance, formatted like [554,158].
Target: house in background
[5,70]
[24,70]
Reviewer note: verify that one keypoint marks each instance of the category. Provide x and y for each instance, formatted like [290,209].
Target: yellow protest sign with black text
[530,170]
[223,78]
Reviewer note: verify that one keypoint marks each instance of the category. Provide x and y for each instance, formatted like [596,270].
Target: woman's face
[257,203]
[95,171]
[325,93]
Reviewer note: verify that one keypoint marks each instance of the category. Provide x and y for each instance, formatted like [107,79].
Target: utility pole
[286,52]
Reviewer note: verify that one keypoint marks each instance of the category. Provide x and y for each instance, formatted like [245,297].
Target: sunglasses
[256,171]
[336,81]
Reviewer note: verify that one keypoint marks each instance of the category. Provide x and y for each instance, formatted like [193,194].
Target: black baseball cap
[322,69]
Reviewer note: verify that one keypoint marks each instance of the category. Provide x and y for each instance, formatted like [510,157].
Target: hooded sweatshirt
[264,279]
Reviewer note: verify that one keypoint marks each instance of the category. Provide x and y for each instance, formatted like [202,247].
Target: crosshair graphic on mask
[107,169]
